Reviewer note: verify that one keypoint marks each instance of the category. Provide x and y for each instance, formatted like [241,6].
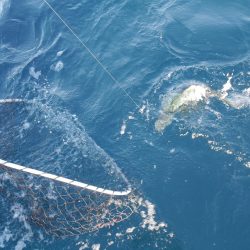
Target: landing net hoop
[62,206]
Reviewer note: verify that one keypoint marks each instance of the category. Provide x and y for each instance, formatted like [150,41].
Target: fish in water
[189,97]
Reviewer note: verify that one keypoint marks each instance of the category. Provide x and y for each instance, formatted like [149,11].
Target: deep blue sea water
[196,173]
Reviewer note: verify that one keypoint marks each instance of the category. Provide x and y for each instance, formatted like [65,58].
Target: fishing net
[61,206]
[63,209]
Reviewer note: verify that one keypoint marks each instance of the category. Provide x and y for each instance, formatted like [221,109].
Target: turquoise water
[81,124]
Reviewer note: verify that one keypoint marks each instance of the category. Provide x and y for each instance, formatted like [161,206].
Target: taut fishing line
[90,52]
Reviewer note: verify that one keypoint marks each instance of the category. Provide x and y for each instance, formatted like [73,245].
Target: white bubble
[130,230]
[96,246]
[59,53]
[57,66]
[172,150]
[26,125]
[34,73]
[142,109]
[123,128]
[247,164]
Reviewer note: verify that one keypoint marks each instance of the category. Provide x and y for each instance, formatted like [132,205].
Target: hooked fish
[189,97]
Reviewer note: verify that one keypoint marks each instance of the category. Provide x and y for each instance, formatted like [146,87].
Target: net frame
[64,207]
[63,179]
[10,101]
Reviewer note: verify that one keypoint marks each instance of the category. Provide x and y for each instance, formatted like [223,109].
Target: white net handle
[63,180]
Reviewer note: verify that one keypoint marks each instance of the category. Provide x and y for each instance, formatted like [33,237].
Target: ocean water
[80,124]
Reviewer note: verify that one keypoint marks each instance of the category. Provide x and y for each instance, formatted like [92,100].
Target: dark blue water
[196,173]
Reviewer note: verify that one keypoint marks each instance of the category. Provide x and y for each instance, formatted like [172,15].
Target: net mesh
[62,209]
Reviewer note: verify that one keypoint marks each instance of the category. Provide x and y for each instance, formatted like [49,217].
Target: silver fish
[189,97]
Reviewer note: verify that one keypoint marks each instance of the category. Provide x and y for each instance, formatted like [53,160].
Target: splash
[191,96]
[227,86]
[149,220]
[96,246]
[58,66]
[123,128]
[195,94]
[239,100]
[34,73]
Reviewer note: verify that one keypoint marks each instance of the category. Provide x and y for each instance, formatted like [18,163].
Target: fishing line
[91,53]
